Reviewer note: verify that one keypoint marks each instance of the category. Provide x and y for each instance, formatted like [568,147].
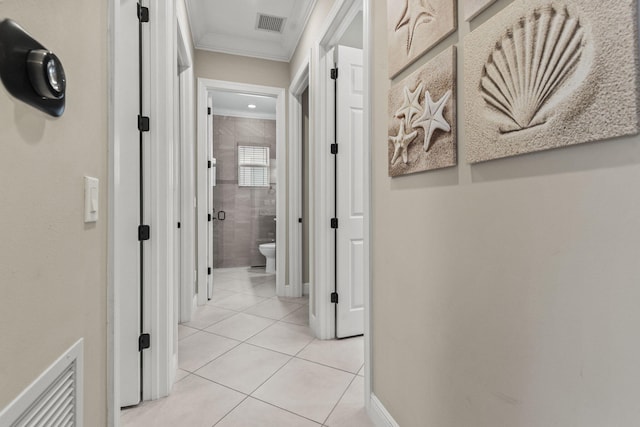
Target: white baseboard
[305,289]
[379,414]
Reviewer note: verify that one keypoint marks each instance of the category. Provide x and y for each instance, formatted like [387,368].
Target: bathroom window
[253,166]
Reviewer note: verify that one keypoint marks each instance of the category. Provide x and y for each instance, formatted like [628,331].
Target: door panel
[126,214]
[350,193]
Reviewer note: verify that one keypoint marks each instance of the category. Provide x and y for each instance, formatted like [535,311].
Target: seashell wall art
[414,27]
[422,118]
[546,74]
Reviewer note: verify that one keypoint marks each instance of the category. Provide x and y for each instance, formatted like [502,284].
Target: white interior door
[350,192]
[126,202]
[177,212]
[210,183]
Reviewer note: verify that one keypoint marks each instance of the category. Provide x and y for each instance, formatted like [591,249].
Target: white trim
[298,85]
[310,10]
[379,414]
[159,317]
[367,38]
[217,111]
[242,52]
[187,147]
[305,288]
[204,87]
[113,324]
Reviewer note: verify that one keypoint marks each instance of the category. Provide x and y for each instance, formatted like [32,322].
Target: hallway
[249,359]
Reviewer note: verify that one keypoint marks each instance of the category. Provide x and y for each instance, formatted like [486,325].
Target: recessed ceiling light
[251,106]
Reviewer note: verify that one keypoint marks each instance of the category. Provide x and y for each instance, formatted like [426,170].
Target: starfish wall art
[422,118]
[544,74]
[415,26]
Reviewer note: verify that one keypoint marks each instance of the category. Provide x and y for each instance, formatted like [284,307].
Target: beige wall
[52,265]
[241,69]
[310,34]
[506,293]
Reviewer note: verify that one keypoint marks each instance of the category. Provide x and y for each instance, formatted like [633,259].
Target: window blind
[253,166]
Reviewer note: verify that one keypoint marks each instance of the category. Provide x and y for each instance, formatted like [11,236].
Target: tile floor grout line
[270,349]
[215,358]
[326,366]
[245,341]
[303,348]
[339,400]
[232,409]
[286,410]
[220,384]
[271,376]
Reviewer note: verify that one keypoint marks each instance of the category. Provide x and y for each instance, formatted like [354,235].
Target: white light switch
[91,197]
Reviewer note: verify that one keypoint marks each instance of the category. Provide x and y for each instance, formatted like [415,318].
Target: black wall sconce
[29,71]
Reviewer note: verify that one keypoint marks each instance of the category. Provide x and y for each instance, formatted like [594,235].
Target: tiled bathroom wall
[250,212]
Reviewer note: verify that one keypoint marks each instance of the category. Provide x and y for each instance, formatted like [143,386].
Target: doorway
[340,175]
[215,179]
[243,181]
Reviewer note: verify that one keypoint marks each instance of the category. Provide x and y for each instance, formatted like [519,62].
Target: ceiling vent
[274,24]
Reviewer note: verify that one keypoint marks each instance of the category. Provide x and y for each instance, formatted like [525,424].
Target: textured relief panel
[414,27]
[529,65]
[422,119]
[473,8]
[546,74]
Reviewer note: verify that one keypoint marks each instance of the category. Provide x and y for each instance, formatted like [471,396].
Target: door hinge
[334,297]
[334,73]
[144,342]
[179,225]
[208,111]
[334,223]
[209,218]
[334,148]
[208,164]
[300,220]
[143,13]
[143,123]
[209,271]
[144,232]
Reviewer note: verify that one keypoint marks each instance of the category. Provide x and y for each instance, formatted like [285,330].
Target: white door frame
[159,317]
[297,87]
[338,20]
[204,87]
[188,214]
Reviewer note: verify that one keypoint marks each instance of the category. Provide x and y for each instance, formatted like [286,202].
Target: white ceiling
[236,105]
[229,26]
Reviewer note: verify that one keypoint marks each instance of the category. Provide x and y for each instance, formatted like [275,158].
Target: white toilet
[269,252]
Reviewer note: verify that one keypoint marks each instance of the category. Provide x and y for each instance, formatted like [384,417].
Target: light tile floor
[249,359]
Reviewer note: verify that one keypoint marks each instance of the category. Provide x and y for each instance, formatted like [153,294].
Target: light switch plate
[91,199]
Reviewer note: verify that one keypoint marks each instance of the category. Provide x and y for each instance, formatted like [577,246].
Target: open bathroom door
[350,177]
